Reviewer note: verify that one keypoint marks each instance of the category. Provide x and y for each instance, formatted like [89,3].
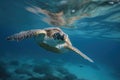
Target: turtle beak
[63,37]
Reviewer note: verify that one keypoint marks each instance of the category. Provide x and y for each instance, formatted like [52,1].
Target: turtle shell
[51,43]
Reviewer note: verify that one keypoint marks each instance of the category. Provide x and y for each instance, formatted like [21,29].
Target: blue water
[97,35]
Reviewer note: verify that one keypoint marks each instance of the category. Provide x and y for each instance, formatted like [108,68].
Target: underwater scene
[59,39]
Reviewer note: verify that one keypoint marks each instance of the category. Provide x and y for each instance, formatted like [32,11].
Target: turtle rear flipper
[80,53]
[25,34]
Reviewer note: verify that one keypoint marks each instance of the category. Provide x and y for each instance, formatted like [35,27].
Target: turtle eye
[56,36]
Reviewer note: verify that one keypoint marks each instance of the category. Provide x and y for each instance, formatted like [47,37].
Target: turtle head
[63,37]
[59,36]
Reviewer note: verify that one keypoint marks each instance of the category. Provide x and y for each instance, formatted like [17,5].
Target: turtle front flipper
[79,52]
[25,34]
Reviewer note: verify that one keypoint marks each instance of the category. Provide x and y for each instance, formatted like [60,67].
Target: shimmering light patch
[73,11]
[81,9]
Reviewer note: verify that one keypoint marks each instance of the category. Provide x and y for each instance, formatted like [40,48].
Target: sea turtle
[52,39]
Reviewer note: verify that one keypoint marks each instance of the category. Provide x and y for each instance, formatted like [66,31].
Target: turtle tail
[22,35]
